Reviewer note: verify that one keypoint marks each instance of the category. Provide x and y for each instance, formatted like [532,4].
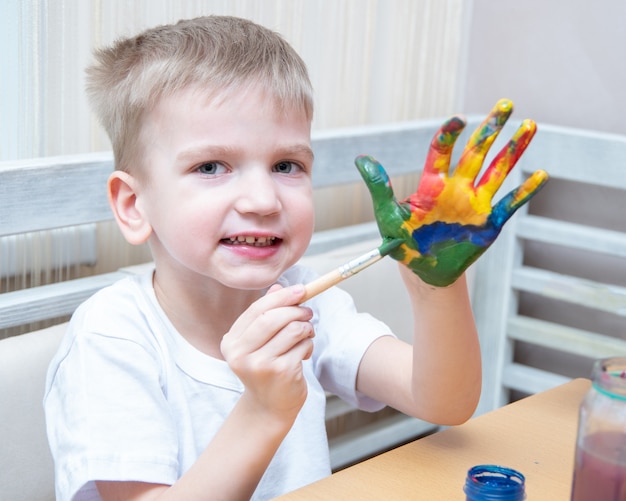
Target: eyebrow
[210,150]
[297,150]
[216,151]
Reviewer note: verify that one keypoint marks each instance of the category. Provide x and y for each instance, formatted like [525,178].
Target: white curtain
[371,61]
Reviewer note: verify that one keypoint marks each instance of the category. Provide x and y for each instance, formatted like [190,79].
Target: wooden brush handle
[322,283]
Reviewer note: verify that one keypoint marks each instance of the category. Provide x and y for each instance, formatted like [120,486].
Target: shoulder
[127,301]
[114,318]
[110,333]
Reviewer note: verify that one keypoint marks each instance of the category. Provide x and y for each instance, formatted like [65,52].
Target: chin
[252,281]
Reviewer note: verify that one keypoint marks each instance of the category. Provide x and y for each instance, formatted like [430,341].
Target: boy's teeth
[251,240]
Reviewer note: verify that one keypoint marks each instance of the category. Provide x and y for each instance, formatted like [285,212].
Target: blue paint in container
[494,483]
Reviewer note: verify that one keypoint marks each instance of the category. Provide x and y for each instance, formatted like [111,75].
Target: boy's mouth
[251,240]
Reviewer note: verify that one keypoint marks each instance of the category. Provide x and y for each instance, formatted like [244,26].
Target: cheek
[307,225]
[184,220]
[304,219]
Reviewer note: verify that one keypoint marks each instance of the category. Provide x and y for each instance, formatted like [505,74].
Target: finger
[442,144]
[290,336]
[389,213]
[276,297]
[307,347]
[506,159]
[482,138]
[376,179]
[240,342]
[378,184]
[506,207]
[303,350]
[274,288]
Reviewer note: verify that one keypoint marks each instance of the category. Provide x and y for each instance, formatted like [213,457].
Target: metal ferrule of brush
[359,263]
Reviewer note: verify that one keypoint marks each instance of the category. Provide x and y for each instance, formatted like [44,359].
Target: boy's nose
[258,194]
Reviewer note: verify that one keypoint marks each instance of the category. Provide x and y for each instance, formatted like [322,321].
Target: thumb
[377,181]
[274,288]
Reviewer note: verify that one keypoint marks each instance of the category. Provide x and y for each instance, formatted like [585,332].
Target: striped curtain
[371,61]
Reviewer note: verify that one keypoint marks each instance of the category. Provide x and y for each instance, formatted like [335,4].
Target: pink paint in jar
[600,462]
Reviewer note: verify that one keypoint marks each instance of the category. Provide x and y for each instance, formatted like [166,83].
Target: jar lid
[489,482]
[609,377]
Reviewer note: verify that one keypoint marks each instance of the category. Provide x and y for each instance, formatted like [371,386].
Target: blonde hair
[213,52]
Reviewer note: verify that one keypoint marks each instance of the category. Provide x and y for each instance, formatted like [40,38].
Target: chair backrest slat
[550,294]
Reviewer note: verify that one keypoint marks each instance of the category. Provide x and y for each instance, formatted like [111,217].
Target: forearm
[235,460]
[446,377]
[228,469]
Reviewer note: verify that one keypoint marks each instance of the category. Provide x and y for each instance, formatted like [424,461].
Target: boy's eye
[211,168]
[285,167]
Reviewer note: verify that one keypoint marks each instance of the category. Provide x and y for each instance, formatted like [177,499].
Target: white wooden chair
[49,193]
[550,295]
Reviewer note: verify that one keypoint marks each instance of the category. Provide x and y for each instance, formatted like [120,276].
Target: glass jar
[490,482]
[600,462]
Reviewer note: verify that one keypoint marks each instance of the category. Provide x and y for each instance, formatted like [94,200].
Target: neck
[202,314]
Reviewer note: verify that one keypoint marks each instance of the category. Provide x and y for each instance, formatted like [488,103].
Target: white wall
[560,61]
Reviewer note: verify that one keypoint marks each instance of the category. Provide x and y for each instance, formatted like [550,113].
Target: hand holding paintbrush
[442,228]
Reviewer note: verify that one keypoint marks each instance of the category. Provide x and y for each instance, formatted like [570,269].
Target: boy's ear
[123,198]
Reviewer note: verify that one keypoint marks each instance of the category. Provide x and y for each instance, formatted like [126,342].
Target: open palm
[449,221]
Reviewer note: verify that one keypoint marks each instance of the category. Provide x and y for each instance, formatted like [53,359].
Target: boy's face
[226,186]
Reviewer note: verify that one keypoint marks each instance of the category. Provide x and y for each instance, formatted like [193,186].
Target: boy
[205,378]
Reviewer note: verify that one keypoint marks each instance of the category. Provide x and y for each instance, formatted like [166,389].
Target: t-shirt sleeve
[342,336]
[106,414]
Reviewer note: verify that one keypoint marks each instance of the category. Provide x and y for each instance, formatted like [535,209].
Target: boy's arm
[265,348]
[445,226]
[438,378]
[229,468]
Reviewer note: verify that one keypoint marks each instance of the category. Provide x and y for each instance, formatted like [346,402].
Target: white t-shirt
[128,398]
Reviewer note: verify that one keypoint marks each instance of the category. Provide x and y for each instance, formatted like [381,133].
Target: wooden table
[535,436]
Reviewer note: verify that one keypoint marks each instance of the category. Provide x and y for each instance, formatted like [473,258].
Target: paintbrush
[350,268]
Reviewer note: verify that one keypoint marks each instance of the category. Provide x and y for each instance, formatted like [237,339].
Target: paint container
[600,461]
[490,482]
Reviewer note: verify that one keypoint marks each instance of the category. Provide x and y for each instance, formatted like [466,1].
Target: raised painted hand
[449,221]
